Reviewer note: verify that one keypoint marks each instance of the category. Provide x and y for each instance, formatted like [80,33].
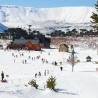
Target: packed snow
[21,66]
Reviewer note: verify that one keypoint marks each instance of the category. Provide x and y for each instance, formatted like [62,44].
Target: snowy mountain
[2,28]
[45,18]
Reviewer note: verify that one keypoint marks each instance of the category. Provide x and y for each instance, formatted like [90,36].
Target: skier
[39,74]
[2,76]
[25,61]
[45,73]
[36,75]
[61,68]
[55,63]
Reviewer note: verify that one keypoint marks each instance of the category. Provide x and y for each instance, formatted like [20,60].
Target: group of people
[26,59]
[39,74]
[33,58]
[44,61]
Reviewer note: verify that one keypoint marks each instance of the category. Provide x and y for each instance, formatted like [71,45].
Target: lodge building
[35,43]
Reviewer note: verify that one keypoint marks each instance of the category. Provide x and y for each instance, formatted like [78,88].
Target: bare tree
[72,59]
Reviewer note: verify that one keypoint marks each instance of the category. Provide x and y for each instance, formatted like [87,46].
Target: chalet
[63,48]
[23,43]
[36,43]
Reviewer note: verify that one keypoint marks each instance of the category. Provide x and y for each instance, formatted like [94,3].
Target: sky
[48,3]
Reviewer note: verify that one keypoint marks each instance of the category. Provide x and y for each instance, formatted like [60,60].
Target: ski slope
[82,83]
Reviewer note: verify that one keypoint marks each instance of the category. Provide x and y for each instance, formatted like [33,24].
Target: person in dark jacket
[2,76]
[61,68]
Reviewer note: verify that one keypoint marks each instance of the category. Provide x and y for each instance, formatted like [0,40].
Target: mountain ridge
[14,16]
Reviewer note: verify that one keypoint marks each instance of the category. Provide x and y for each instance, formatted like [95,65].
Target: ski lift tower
[29,29]
[72,58]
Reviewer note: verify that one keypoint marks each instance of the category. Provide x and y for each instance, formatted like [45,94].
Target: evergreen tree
[51,83]
[94,18]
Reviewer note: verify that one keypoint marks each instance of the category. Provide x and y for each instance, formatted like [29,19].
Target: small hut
[63,48]
[88,59]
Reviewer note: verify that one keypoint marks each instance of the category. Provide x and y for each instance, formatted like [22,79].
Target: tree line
[74,32]
[16,33]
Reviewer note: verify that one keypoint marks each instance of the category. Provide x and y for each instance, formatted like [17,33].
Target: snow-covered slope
[44,17]
[82,83]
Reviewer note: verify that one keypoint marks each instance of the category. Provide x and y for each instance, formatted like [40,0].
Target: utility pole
[73,59]
[29,29]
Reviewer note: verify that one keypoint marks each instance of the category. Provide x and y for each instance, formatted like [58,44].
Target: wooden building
[26,44]
[35,43]
[29,45]
[63,48]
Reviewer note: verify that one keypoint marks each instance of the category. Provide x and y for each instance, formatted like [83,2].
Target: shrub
[51,83]
[33,83]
